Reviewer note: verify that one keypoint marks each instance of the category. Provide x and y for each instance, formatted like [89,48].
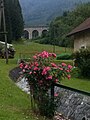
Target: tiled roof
[83,26]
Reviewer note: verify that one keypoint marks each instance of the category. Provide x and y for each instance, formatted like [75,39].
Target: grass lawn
[80,84]
[15,104]
[32,48]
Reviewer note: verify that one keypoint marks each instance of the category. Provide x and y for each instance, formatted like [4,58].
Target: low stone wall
[71,104]
[15,73]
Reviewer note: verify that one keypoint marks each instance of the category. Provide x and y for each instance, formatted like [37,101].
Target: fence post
[52,96]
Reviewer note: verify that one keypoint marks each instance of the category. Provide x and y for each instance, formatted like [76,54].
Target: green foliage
[61,26]
[14,104]
[45,40]
[31,48]
[14,20]
[47,106]
[44,11]
[82,61]
[64,56]
[76,72]
[64,61]
[41,73]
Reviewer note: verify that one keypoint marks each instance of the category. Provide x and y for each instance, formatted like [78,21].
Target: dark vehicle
[11,50]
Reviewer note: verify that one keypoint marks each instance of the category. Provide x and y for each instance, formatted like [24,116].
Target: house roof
[83,26]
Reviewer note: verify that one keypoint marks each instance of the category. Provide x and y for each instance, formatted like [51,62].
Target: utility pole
[4,28]
[54,40]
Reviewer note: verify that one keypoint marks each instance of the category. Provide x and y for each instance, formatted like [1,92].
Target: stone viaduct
[35,31]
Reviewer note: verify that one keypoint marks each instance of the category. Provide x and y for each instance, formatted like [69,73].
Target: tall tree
[64,24]
[14,20]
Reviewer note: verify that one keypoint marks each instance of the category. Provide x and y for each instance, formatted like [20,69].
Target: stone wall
[14,74]
[73,105]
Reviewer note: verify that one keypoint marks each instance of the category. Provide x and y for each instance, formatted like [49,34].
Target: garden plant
[82,61]
[41,73]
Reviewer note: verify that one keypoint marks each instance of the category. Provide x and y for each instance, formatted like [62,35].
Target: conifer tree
[14,20]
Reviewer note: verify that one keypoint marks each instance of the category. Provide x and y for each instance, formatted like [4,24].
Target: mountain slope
[41,12]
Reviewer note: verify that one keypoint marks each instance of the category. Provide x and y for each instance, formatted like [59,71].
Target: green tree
[14,20]
[62,25]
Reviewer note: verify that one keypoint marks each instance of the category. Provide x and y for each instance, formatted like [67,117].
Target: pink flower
[54,55]
[69,66]
[44,72]
[26,66]
[67,71]
[35,57]
[56,81]
[68,76]
[56,95]
[30,73]
[21,65]
[64,64]
[53,65]
[44,54]
[49,77]
[48,68]
[23,70]
[61,68]
[50,54]
[34,72]
[35,68]
[36,64]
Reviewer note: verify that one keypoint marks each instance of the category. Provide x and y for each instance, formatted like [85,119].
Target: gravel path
[59,116]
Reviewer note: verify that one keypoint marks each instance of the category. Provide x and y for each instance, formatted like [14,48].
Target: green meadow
[15,104]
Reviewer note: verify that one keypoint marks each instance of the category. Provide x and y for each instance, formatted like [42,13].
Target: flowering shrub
[41,73]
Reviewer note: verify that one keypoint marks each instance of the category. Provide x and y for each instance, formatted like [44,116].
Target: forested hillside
[39,12]
[62,25]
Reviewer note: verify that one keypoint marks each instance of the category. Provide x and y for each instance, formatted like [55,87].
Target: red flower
[67,71]
[36,64]
[61,68]
[44,72]
[26,66]
[56,81]
[53,65]
[54,55]
[30,73]
[56,95]
[69,66]
[21,65]
[68,76]
[49,77]
[35,68]
[35,57]
[64,64]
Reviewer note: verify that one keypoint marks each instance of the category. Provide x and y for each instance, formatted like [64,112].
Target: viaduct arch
[34,32]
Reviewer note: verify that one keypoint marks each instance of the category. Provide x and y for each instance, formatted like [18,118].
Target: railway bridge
[35,31]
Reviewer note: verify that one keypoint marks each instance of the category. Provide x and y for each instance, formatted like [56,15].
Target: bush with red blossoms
[41,73]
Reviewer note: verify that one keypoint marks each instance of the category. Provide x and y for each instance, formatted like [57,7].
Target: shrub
[42,41]
[41,73]
[76,72]
[64,61]
[82,61]
[64,56]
